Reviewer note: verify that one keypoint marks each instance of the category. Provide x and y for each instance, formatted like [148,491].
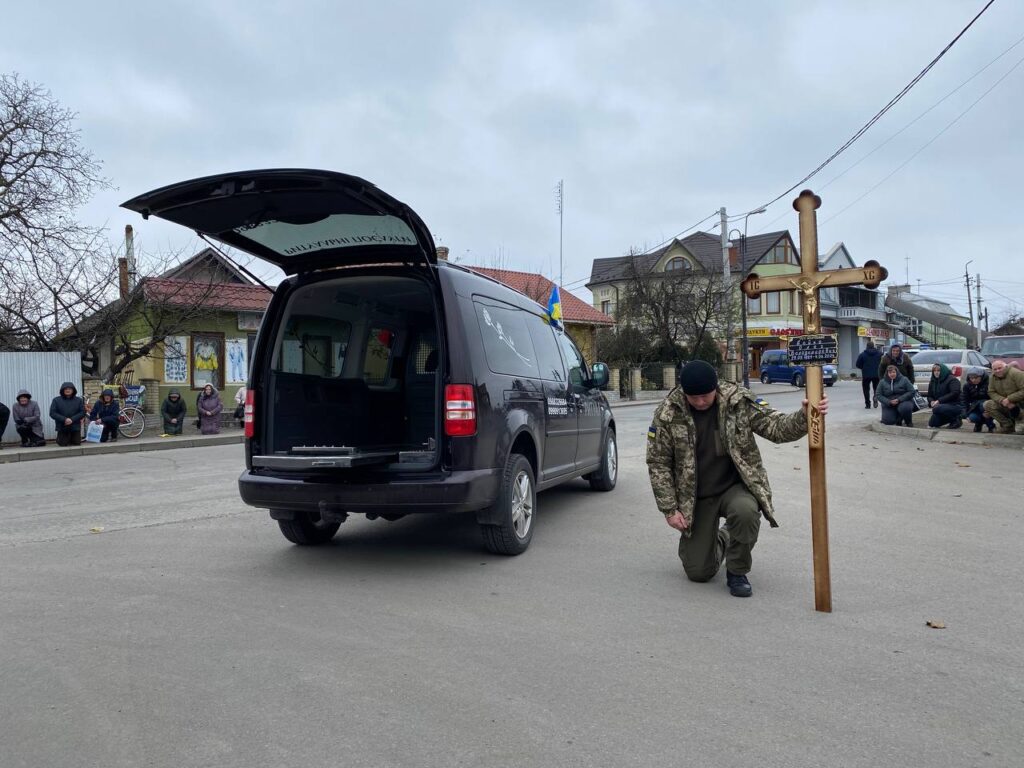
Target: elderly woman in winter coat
[210,407]
[973,396]
[944,398]
[106,411]
[895,394]
[28,420]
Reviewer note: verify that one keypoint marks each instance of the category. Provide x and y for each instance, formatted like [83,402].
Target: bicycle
[131,421]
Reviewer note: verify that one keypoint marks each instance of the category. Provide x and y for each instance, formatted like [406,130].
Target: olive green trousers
[703,551]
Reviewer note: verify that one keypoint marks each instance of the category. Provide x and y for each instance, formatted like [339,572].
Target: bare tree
[681,312]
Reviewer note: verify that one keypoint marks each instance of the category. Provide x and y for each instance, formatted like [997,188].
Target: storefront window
[207,360]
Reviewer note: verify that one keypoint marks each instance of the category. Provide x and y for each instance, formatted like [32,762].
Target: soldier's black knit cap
[698,378]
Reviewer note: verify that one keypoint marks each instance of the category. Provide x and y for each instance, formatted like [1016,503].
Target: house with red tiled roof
[215,309]
[581,321]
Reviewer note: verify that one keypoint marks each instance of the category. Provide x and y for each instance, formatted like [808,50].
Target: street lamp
[743,298]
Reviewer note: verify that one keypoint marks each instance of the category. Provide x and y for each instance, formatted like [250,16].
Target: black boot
[739,585]
[977,427]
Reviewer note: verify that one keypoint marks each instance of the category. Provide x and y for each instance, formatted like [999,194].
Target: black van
[387,383]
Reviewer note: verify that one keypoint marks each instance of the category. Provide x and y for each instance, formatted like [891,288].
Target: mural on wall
[206,361]
[238,364]
[176,360]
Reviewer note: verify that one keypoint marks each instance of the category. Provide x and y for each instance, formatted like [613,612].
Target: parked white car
[957,360]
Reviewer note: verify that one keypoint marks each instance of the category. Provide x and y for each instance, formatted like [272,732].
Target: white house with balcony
[857,313]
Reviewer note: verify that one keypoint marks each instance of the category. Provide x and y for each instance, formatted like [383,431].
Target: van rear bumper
[460,491]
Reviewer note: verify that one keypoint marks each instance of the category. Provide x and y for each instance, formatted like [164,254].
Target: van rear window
[507,343]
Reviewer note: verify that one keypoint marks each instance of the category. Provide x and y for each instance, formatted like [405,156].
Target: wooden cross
[809,282]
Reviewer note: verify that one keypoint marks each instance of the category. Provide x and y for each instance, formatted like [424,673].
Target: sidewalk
[962,436]
[147,442]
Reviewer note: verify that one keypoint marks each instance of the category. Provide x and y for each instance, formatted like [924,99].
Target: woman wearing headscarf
[28,420]
[895,394]
[210,407]
[944,398]
[106,411]
[174,412]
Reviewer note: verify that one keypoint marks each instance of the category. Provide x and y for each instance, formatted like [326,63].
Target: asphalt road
[190,633]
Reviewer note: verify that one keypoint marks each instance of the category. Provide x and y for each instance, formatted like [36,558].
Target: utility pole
[970,304]
[560,191]
[726,287]
[977,297]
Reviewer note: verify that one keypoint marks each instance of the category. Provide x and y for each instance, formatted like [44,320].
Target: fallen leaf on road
[934,624]
[962,465]
[957,495]
[920,449]
[97,529]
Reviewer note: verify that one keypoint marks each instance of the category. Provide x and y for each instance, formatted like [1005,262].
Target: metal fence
[41,373]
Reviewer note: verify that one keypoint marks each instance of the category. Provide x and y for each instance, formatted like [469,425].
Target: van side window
[549,362]
[377,362]
[507,342]
[574,363]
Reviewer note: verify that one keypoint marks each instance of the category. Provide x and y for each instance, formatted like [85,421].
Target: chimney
[122,277]
[442,253]
[129,252]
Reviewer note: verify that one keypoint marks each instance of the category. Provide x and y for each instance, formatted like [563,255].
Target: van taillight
[957,370]
[459,410]
[249,413]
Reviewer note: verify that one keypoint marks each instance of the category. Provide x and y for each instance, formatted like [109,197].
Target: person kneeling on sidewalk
[944,398]
[896,396]
[67,411]
[1006,388]
[174,412]
[704,465]
[972,399]
[28,420]
[107,411]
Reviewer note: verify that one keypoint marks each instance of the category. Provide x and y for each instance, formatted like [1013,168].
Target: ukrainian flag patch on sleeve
[652,432]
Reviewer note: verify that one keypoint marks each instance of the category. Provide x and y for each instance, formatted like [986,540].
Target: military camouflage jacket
[671,443]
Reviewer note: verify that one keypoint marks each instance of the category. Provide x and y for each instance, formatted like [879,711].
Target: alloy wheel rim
[613,459]
[522,505]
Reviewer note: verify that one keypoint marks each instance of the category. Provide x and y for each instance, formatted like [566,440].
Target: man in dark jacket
[67,411]
[107,411]
[869,361]
[901,361]
[944,398]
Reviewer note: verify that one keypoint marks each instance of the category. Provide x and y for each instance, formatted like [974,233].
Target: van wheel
[308,529]
[765,379]
[515,505]
[604,478]
[798,380]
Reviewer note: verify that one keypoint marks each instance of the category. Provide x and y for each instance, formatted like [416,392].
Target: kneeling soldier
[704,465]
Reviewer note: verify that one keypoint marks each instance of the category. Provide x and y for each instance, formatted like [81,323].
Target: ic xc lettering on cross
[814,349]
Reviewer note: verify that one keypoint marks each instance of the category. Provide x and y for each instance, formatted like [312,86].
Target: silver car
[957,360]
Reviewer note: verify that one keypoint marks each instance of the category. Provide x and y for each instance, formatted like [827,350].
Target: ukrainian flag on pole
[555,307]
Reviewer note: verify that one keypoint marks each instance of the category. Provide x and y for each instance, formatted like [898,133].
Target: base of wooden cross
[819,494]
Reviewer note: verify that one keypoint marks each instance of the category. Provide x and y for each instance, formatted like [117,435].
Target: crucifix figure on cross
[813,350]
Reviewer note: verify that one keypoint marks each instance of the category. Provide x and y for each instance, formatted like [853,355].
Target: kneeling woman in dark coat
[210,407]
[944,398]
[107,411]
[973,395]
[174,411]
[895,394]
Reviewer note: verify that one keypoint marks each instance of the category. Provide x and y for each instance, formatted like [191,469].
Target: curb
[124,445]
[951,436]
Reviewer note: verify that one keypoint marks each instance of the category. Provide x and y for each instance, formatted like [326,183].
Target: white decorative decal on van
[509,341]
[336,231]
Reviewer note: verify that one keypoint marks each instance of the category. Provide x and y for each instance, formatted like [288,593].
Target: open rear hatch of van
[353,380]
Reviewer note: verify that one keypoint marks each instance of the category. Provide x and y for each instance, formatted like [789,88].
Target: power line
[927,144]
[878,116]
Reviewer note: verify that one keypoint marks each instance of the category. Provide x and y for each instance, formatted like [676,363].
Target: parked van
[384,382]
[775,366]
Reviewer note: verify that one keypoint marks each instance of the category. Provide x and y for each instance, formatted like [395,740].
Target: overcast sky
[654,113]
